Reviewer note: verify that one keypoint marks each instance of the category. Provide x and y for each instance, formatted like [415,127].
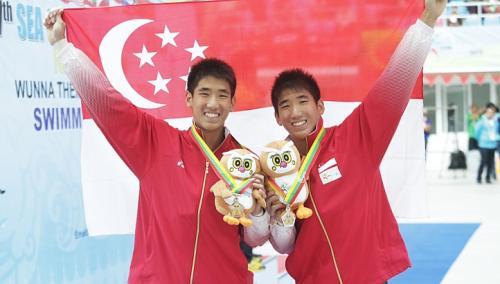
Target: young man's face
[211,103]
[298,112]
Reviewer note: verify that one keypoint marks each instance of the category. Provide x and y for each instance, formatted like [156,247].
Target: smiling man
[179,237]
[352,236]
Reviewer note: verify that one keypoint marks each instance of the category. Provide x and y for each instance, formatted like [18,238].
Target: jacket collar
[223,145]
[312,136]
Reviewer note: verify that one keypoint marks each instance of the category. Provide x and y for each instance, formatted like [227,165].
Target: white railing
[460,13]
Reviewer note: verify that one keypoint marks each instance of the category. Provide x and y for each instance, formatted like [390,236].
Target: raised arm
[129,130]
[371,126]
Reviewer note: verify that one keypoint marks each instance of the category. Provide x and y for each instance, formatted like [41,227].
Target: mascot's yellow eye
[247,163]
[276,158]
[237,162]
[287,157]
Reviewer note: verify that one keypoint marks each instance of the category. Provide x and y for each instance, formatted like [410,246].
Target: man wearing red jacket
[352,236]
[180,237]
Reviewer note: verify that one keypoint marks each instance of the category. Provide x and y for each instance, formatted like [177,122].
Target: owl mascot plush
[241,164]
[280,161]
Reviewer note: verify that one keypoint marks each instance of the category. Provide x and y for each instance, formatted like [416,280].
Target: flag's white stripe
[403,166]
[110,190]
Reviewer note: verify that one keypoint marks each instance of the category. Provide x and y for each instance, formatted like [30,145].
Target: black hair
[211,67]
[294,79]
[492,106]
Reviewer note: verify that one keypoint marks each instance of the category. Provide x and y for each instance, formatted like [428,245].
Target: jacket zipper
[330,246]
[191,278]
[326,235]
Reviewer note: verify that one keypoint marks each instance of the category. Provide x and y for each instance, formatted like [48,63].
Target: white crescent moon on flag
[110,51]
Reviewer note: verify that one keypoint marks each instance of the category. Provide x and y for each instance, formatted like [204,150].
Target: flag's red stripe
[345,44]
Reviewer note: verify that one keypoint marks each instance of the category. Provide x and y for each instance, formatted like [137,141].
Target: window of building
[498,95]
[455,108]
[430,105]
[480,94]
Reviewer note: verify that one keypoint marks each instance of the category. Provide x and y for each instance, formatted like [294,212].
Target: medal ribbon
[304,171]
[276,188]
[218,168]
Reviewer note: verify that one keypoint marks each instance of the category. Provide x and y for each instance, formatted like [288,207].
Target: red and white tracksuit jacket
[353,231]
[179,235]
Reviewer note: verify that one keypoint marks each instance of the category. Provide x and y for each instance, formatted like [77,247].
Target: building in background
[462,69]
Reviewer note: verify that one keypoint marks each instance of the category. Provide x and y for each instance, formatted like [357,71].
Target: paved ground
[462,200]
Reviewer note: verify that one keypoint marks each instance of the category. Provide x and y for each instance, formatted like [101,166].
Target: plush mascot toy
[281,161]
[235,205]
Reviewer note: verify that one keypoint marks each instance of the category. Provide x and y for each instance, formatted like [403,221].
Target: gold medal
[236,209]
[288,218]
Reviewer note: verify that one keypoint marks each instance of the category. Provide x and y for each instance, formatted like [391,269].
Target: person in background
[487,137]
[427,129]
[498,130]
[472,118]
[254,261]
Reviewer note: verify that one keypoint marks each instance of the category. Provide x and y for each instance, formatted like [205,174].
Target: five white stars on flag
[168,37]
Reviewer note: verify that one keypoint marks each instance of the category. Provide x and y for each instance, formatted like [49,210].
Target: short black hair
[211,67]
[294,79]
[491,105]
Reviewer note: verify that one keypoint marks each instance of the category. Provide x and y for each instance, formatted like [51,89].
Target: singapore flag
[146,51]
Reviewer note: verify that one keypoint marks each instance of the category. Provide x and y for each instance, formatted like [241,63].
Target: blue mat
[433,248]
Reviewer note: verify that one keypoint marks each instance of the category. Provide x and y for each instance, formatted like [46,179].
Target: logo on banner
[29,20]
[5,14]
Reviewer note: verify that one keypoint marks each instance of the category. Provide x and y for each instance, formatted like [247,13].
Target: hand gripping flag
[146,50]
